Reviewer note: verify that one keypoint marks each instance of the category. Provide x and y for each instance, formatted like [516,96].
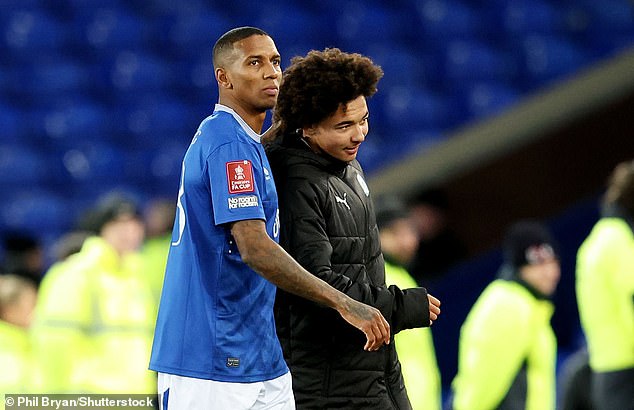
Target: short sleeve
[232,170]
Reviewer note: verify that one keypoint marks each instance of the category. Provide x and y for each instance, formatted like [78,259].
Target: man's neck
[255,120]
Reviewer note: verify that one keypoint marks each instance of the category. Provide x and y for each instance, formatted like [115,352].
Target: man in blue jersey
[215,345]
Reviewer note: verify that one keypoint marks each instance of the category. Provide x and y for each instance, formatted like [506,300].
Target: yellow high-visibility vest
[17,374]
[415,350]
[506,329]
[605,291]
[93,324]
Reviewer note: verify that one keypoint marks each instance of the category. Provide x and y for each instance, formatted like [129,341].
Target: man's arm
[267,258]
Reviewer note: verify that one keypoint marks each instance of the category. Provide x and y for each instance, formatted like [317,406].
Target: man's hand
[268,258]
[434,308]
[369,320]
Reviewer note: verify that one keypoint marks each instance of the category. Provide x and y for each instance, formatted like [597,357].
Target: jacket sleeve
[304,235]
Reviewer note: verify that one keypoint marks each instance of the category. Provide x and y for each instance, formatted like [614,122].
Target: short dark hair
[109,208]
[621,187]
[226,41]
[313,87]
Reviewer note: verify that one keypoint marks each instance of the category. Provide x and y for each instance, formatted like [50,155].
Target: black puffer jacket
[328,226]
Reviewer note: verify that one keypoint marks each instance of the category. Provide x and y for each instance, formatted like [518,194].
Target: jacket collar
[103,253]
[617,211]
[292,146]
[512,274]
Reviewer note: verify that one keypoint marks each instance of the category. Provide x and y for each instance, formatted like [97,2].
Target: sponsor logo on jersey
[243,201]
[240,177]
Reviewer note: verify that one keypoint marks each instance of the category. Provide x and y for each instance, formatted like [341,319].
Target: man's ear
[308,132]
[222,77]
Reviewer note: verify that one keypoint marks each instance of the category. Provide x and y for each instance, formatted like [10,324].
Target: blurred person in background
[439,248]
[18,296]
[575,382]
[605,294]
[69,244]
[328,225]
[93,321]
[215,345]
[415,347]
[159,222]
[507,349]
[23,256]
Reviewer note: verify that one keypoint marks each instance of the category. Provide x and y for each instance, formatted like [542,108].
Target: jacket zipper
[387,382]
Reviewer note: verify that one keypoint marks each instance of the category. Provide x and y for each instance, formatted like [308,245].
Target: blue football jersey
[215,318]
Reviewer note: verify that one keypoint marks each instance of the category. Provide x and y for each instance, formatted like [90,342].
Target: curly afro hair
[313,87]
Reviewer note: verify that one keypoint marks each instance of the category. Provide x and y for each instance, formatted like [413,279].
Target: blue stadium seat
[35,210]
[190,34]
[137,122]
[93,162]
[79,6]
[482,100]
[13,129]
[27,33]
[610,26]
[408,109]
[106,29]
[21,166]
[358,25]
[7,79]
[142,166]
[195,76]
[441,21]
[521,17]
[296,26]
[133,72]
[403,65]
[616,16]
[547,58]
[290,49]
[18,5]
[473,61]
[65,120]
[170,7]
[43,79]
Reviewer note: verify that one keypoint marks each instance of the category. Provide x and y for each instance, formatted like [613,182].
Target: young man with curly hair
[328,225]
[215,345]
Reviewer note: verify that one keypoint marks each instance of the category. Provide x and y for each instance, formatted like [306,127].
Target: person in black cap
[507,353]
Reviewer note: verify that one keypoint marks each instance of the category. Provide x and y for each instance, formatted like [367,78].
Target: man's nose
[359,133]
[272,71]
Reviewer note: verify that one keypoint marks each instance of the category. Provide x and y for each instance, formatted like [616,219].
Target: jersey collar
[254,135]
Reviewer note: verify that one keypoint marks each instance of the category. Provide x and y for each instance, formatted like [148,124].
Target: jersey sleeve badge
[240,177]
